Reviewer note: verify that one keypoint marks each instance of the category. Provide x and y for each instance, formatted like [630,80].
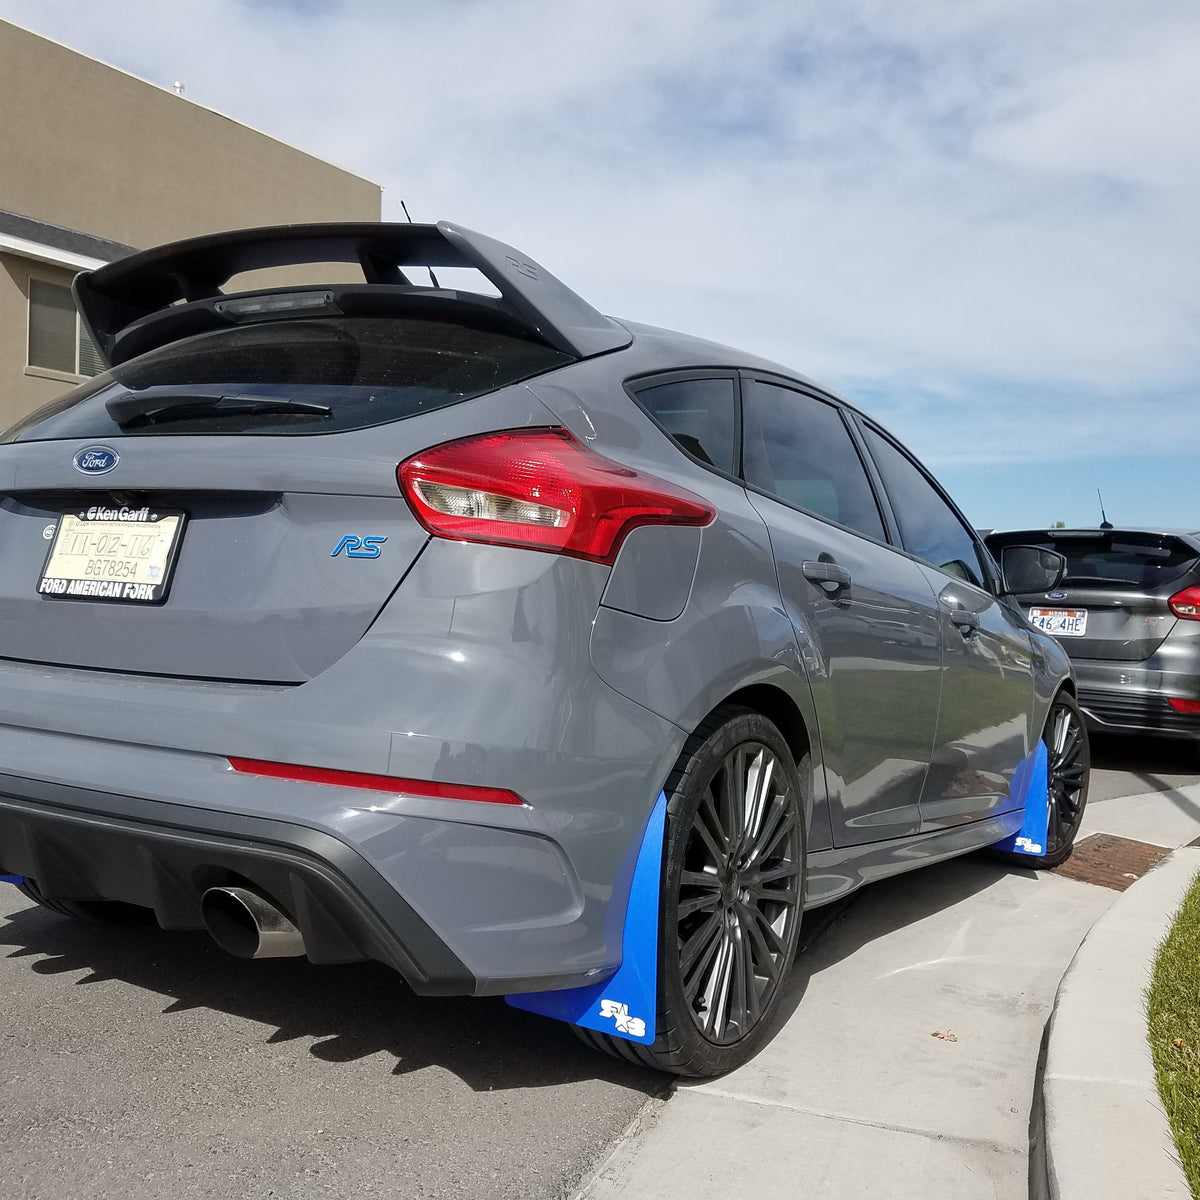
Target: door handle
[828,576]
[967,623]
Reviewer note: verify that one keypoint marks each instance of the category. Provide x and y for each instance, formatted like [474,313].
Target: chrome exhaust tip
[248,925]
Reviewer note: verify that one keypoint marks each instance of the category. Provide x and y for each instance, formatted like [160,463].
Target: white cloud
[968,201]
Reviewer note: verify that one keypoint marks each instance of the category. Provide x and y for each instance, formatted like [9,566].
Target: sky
[977,219]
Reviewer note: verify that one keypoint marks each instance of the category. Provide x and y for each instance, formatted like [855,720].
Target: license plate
[115,554]
[1061,622]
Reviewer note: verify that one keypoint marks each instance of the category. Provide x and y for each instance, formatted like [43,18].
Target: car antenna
[1105,523]
[432,276]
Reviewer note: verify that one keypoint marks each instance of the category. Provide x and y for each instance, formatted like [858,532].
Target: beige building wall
[86,146]
[89,148]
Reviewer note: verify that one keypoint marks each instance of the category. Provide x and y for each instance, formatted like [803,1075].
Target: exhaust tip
[248,925]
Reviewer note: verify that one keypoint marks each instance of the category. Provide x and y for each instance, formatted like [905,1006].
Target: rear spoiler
[131,292]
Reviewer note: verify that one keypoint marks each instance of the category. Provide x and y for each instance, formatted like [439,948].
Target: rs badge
[356,547]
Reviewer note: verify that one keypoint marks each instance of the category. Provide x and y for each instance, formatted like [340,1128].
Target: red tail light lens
[1186,604]
[374,783]
[1185,706]
[542,490]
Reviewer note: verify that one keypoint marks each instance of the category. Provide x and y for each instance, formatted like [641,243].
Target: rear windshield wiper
[133,410]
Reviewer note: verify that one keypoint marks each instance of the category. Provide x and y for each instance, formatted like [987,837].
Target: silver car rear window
[1116,558]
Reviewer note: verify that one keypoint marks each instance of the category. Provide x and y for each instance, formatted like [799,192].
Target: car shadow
[345,1013]
[1162,765]
[1139,755]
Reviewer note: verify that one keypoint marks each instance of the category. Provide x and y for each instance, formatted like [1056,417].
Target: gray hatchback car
[465,629]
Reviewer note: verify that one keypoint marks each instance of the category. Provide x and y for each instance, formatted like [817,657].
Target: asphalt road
[142,1065]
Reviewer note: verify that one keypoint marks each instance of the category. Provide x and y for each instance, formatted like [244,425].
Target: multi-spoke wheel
[1069,765]
[733,892]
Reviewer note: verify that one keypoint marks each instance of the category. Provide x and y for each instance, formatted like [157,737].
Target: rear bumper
[84,845]
[1120,697]
[455,906]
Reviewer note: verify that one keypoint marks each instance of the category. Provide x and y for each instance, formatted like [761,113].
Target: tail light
[542,490]
[1186,604]
[1185,706]
[374,783]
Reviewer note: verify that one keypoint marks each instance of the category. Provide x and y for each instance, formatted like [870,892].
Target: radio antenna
[1105,523]
[432,276]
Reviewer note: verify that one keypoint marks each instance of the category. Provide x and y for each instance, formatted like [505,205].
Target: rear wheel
[102,912]
[1068,768]
[732,898]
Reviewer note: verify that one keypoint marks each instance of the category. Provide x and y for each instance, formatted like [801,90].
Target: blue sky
[976,219]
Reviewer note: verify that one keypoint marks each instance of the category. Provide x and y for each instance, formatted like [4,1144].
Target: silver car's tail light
[1186,604]
[542,490]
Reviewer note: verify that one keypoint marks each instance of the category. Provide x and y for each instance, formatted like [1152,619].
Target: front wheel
[1068,768]
[732,896]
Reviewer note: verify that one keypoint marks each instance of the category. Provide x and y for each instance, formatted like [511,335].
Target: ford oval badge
[96,460]
[1056,595]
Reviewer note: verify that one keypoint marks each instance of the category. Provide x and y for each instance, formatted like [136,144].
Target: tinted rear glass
[363,371]
[1117,559]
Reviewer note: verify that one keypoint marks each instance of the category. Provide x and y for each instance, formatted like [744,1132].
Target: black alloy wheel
[1069,763]
[733,891]
[1068,769]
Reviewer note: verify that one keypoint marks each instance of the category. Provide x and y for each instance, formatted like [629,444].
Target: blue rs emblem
[356,547]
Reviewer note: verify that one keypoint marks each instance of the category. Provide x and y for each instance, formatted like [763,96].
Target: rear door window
[797,448]
[299,376]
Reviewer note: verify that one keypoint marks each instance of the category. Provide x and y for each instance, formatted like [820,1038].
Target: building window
[57,339]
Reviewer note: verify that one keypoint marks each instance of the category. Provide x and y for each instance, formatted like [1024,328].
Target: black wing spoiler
[127,292]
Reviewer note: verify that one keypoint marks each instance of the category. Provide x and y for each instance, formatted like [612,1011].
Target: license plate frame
[113,555]
[1060,622]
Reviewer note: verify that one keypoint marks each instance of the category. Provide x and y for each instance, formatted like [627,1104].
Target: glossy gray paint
[571,683]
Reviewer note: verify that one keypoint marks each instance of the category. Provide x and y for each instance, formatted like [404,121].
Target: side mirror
[1030,569]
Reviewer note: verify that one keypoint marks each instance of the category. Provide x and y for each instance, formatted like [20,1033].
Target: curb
[1104,1132]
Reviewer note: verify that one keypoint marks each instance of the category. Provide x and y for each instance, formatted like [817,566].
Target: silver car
[1127,611]
[449,623]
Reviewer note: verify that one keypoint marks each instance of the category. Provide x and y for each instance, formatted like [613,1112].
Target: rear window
[1116,558]
[308,376]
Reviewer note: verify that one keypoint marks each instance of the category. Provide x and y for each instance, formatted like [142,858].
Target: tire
[99,912]
[1069,765]
[732,896]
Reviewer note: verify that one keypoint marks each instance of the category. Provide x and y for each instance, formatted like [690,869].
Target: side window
[929,527]
[799,449]
[698,415]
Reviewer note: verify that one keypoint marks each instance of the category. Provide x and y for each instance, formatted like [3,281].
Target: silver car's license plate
[121,554]
[1061,622]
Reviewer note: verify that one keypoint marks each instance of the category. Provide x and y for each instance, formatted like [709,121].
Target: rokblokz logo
[614,1009]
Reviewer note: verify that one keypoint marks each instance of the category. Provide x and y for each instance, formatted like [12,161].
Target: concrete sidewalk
[906,1061]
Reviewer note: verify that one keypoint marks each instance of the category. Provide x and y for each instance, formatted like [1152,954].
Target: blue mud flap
[624,1004]
[17,879]
[1031,788]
